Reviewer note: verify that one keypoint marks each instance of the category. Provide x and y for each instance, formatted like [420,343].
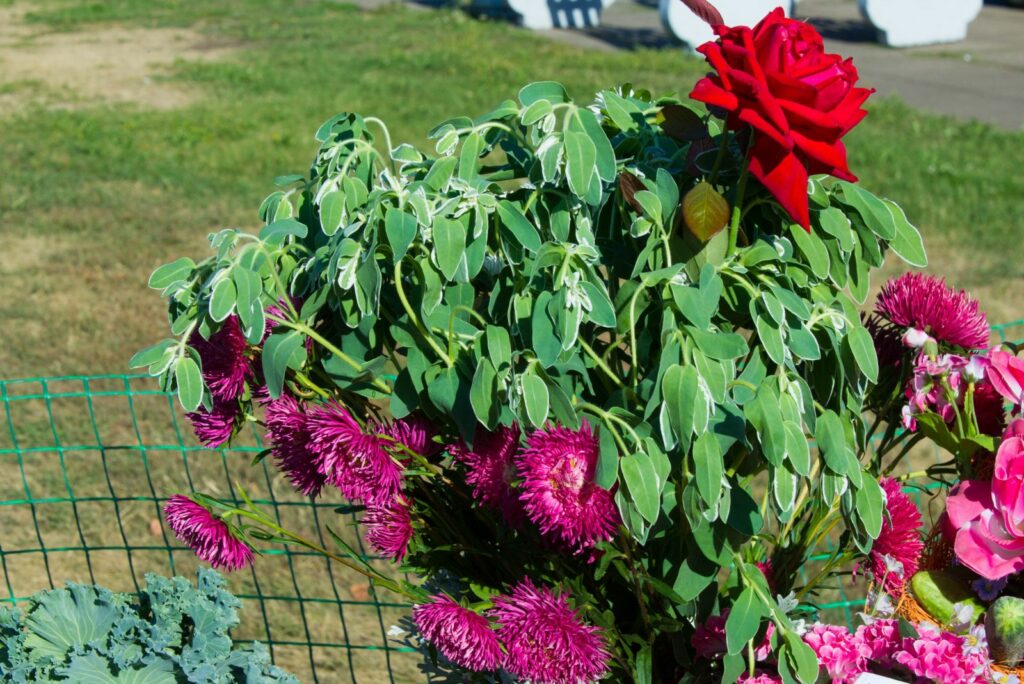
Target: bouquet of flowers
[595,374]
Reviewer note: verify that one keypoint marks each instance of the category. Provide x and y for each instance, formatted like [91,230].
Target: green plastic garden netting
[86,462]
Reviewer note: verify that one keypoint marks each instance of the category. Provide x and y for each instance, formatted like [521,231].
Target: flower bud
[705,211]
[915,338]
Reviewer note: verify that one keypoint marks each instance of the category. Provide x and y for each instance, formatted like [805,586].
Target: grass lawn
[94,196]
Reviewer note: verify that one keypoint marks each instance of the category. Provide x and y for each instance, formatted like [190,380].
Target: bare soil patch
[105,64]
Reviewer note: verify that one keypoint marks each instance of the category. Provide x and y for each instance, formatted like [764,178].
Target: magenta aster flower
[926,303]
[558,489]
[289,435]
[389,527]
[356,463]
[207,535]
[837,652]
[895,554]
[942,658]
[415,433]
[546,641]
[459,634]
[214,428]
[490,469]
[225,364]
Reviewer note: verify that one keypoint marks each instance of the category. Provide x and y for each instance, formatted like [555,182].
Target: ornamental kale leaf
[172,632]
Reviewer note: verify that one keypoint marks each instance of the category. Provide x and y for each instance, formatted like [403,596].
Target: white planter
[904,23]
[689,28]
[547,14]
[868,678]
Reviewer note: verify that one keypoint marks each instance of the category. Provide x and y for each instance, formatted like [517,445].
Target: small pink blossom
[490,470]
[225,364]
[899,539]
[876,641]
[389,527]
[837,652]
[459,634]
[759,677]
[289,435]
[546,640]
[558,488]
[207,535]
[915,339]
[927,304]
[941,657]
[357,463]
[215,427]
[415,433]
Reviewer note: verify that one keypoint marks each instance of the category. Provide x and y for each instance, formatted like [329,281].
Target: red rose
[798,99]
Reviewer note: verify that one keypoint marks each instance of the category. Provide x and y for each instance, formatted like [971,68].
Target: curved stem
[326,344]
[416,320]
[600,362]
[387,139]
[737,210]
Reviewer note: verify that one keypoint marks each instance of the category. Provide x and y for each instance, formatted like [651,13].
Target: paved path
[979,78]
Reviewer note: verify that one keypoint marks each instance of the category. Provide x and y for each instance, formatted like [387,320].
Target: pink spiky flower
[459,634]
[356,463]
[389,527]
[225,364]
[413,432]
[207,535]
[896,552]
[927,304]
[490,469]
[289,435]
[558,488]
[545,639]
[215,427]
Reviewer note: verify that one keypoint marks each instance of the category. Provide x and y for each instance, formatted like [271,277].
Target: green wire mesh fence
[87,463]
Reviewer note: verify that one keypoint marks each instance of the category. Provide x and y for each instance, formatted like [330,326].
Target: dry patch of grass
[108,64]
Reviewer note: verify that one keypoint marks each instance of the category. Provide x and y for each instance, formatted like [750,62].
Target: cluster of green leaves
[533,268]
[173,632]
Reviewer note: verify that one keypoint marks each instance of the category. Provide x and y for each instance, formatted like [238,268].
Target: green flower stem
[416,320]
[362,568]
[633,366]
[737,210]
[826,570]
[723,146]
[387,139]
[451,325]
[627,542]
[323,342]
[309,384]
[600,363]
[804,491]
[611,417]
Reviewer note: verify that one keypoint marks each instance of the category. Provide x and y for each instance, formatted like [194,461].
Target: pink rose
[987,518]
[1006,373]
